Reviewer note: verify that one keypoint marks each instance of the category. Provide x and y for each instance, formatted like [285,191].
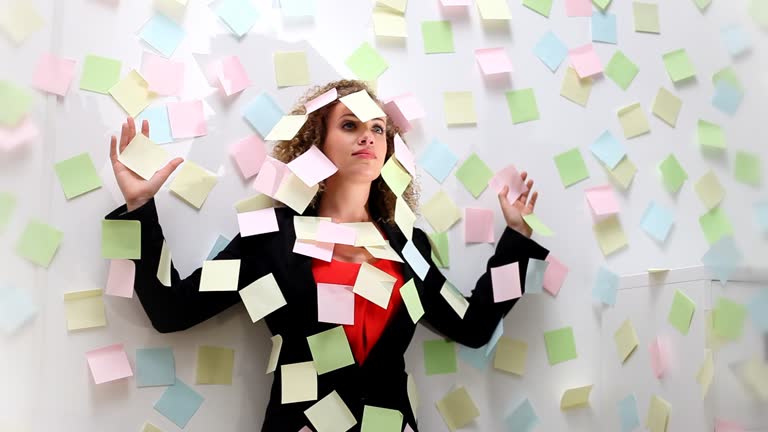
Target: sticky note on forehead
[362,106]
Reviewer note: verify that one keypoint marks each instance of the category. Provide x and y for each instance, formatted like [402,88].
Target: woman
[355,193]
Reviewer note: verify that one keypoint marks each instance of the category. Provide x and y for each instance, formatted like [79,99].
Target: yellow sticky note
[164,267]
[404,218]
[262,297]
[709,190]
[576,89]
[214,365]
[666,106]
[459,108]
[396,177]
[713,340]
[374,284]
[286,128]
[20,19]
[291,68]
[623,173]
[362,106]
[610,235]
[331,414]
[220,275]
[511,355]
[294,193]
[193,184]
[633,120]
[493,9]
[706,373]
[274,355]
[367,234]
[84,309]
[387,24]
[575,397]
[412,301]
[306,226]
[149,427]
[256,202]
[658,415]
[299,382]
[626,340]
[455,299]
[441,212]
[457,409]
[143,156]
[754,373]
[395,5]
[384,252]
[132,93]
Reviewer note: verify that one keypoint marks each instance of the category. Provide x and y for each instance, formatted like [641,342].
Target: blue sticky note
[263,113]
[534,276]
[758,310]
[657,221]
[727,97]
[219,246]
[475,357]
[523,418]
[159,125]
[163,34]
[497,333]
[761,214]
[736,40]
[155,367]
[722,258]
[417,262]
[606,286]
[179,403]
[608,149]
[239,15]
[603,27]
[551,50]
[16,308]
[628,414]
[438,160]
[297,8]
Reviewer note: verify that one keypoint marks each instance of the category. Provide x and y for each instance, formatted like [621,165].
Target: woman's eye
[378,129]
[348,125]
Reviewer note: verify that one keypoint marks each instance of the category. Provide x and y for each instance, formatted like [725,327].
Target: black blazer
[381,380]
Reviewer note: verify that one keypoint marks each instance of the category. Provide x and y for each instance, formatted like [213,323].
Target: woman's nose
[366,138]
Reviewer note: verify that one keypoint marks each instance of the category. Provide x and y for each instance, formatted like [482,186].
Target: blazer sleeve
[181,305]
[483,314]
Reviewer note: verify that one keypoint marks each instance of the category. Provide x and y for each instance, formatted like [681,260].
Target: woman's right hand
[135,189]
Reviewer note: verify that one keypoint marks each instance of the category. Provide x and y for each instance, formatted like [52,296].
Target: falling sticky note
[220,275]
[109,363]
[121,239]
[375,285]
[608,149]
[537,225]
[262,113]
[440,249]
[438,160]
[626,340]
[239,15]
[747,168]
[295,193]
[441,212]
[231,75]
[578,8]
[706,373]
[99,74]
[155,367]
[439,357]
[678,65]
[19,19]
[179,403]
[623,174]
[376,419]
[457,409]
[459,108]
[602,200]
[15,103]
[312,166]
[576,89]
[366,62]
[132,93]
[455,299]
[321,101]
[575,397]
[710,135]
[121,278]
[666,106]
[77,175]
[633,120]
[657,221]
[585,61]
[410,297]
[727,97]
[723,258]
[493,60]
[214,365]
[606,286]
[17,307]
[39,242]
[511,355]
[330,414]
[506,282]
[414,259]
[681,312]
[610,235]
[362,106]
[274,355]
[335,304]
[522,105]
[715,225]
[729,318]
[404,217]
[603,27]
[160,125]
[478,225]
[560,345]
[628,414]
[735,39]
[659,351]
[523,418]
[710,190]
[534,276]
[388,24]
[256,222]
[187,119]
[54,74]
[299,382]
[193,184]
[249,154]
[165,77]
[543,7]
[84,309]
[474,174]
[396,177]
[673,174]
[621,70]
[437,36]
[510,177]
[262,297]
[571,167]
[646,17]
[658,414]
[162,34]
[551,51]
[291,68]
[286,128]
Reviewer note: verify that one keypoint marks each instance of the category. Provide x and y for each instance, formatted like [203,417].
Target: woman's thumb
[162,175]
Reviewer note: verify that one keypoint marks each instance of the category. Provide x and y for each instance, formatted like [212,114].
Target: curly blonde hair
[381,200]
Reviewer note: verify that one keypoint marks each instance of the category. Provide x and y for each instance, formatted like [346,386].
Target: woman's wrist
[133,205]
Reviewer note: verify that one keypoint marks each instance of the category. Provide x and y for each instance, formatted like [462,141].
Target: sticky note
[366,63]
[231,75]
[109,363]
[84,309]
[438,37]
[493,60]
[735,39]
[286,128]
[606,286]
[77,175]
[414,258]
[657,221]
[121,278]
[440,249]
[523,418]
[602,200]
[560,345]
[149,427]
[362,106]
[722,258]
[159,124]
[474,174]
[681,312]
[375,285]
[509,176]
[7,206]
[99,74]
[121,239]
[256,222]
[578,8]
[132,93]
[646,17]
[673,174]
[330,232]
[666,106]
[193,184]
[678,65]
[455,299]
[297,8]
[715,224]
[576,89]
[274,355]
[162,34]
[659,351]
[291,68]
[522,105]
[395,176]
[633,120]
[299,382]
[727,97]
[220,275]
[54,74]
[312,166]
[16,308]
[603,27]
[543,7]
[608,149]
[238,15]
[534,276]
[729,75]
[506,282]
[457,409]
[630,419]
[404,217]
[621,70]
[459,108]
[511,355]
[15,103]
[710,135]
[39,242]
[321,101]
[179,403]
[602,4]
[475,357]
[441,212]
[551,50]
[376,419]
[571,167]
[706,373]
[729,318]
[249,154]
[710,190]
[658,414]
[438,160]
[412,301]
[575,397]
[330,414]
[165,77]
[387,24]
[610,235]
[585,61]
[155,367]
[626,340]
[262,113]
[720,424]
[478,225]
[187,119]
[19,19]
[537,225]
[336,303]
[262,297]
[214,365]
[439,357]
[623,174]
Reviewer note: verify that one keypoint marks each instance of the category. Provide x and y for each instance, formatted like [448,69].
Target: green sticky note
[710,135]
[39,242]
[746,169]
[679,66]
[291,68]
[681,313]
[543,7]
[621,70]
[715,225]
[330,350]
[758,9]
[15,103]
[441,212]
[366,62]
[710,190]
[571,167]
[439,243]
[121,239]
[439,357]
[560,344]
[7,205]
[537,225]
[377,419]
[702,4]
[729,75]
[396,177]
[673,174]
[646,17]
[522,105]
[602,4]
[666,106]
[77,175]
[438,37]
[100,74]
[459,108]
[474,174]
[410,296]
[729,318]
[214,365]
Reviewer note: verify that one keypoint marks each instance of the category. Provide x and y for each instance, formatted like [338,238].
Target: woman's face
[357,149]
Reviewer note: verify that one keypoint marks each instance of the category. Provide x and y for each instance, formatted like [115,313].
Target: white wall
[45,381]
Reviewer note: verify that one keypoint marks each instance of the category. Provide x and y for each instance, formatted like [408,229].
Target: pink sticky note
[408,428]
[410,106]
[187,119]
[122,274]
[54,74]
[452,3]
[493,60]
[727,426]
[249,154]
[509,176]
[257,222]
[232,75]
[659,356]
[109,363]
[319,250]
[554,275]
[602,200]
[478,225]
[404,156]
[335,304]
[506,282]
[305,429]
[398,118]
[578,8]
[329,232]
[585,60]
[312,166]
[23,133]
[321,101]
[164,77]
[270,176]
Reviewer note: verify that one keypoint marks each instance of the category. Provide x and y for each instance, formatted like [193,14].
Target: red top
[370,318]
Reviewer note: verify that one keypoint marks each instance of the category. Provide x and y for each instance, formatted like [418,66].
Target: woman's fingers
[532,202]
[123,137]
[145,128]
[113,149]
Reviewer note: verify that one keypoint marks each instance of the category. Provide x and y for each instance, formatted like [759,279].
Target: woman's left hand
[522,206]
